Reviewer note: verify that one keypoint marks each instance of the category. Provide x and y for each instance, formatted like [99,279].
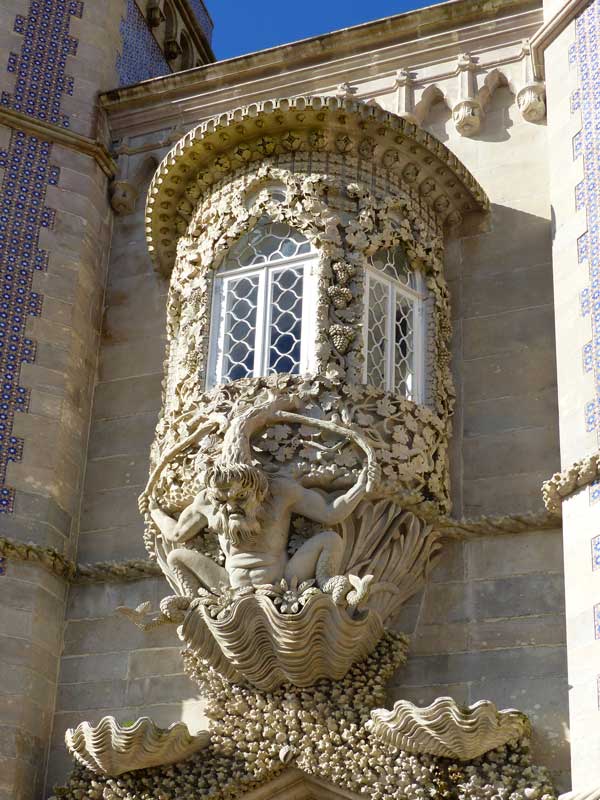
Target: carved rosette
[531,100]
[467,117]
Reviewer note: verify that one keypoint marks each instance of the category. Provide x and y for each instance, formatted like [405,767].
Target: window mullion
[419,350]
[262,322]
[308,307]
[218,334]
[390,345]
[366,301]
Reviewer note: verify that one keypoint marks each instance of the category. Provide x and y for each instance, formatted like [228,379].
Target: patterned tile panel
[40,84]
[596,554]
[40,66]
[141,57]
[203,17]
[586,100]
[597,621]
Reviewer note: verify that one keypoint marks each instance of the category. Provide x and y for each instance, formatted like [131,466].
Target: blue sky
[242,26]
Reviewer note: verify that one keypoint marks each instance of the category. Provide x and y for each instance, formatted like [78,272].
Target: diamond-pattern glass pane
[267,242]
[286,321]
[404,342]
[376,335]
[393,263]
[239,330]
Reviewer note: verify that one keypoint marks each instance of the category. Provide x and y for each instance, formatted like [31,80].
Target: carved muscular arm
[320,508]
[191,521]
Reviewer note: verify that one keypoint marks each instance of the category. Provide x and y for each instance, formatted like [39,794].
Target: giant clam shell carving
[446,729]
[111,749]
[257,644]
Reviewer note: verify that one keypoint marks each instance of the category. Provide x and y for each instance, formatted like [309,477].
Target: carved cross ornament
[300,461]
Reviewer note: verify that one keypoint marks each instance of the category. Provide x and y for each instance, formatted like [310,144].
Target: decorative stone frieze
[215,148]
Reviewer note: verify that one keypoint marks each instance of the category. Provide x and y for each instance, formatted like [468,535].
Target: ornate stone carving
[109,748]
[289,512]
[262,128]
[531,98]
[446,729]
[123,197]
[570,480]
[317,641]
[467,113]
[323,731]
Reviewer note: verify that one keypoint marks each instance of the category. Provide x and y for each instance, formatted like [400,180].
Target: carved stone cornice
[551,30]
[303,125]
[570,480]
[61,136]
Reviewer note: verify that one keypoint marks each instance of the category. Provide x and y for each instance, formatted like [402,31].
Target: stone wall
[490,626]
[56,231]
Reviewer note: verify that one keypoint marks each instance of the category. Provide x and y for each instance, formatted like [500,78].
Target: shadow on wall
[505,433]
[499,106]
[490,626]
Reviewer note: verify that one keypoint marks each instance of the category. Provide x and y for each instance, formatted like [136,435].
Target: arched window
[394,325]
[263,305]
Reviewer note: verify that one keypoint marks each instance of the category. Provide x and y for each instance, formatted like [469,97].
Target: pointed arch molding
[380,148]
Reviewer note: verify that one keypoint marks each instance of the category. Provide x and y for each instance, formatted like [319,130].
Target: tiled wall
[203,17]
[40,82]
[141,57]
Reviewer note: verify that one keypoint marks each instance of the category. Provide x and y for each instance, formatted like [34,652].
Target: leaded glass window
[263,305]
[394,327]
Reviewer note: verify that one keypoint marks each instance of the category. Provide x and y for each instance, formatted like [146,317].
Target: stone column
[571,43]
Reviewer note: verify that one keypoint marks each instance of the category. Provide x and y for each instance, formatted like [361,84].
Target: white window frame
[265,272]
[417,297]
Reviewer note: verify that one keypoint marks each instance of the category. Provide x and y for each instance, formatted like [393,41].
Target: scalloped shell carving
[255,643]
[111,749]
[446,729]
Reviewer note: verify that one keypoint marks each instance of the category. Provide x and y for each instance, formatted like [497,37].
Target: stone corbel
[531,99]
[154,14]
[124,191]
[172,49]
[467,113]
[405,96]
